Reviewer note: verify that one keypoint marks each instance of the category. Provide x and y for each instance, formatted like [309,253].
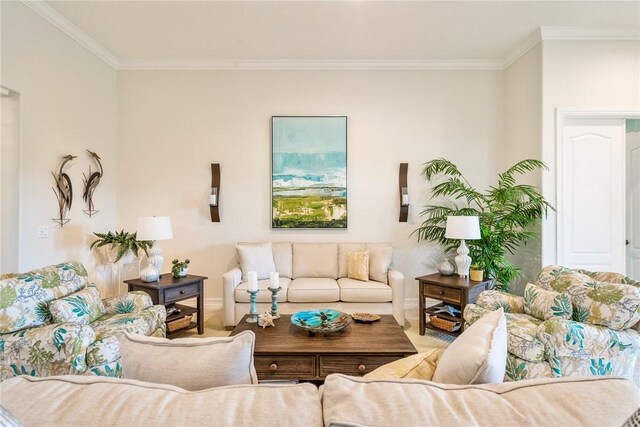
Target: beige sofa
[343,400]
[314,275]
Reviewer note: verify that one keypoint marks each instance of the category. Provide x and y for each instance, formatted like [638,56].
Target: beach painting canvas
[309,172]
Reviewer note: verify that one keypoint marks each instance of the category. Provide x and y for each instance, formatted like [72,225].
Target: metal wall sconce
[214,197]
[404,192]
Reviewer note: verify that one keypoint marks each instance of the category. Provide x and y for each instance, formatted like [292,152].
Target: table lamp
[154,228]
[463,228]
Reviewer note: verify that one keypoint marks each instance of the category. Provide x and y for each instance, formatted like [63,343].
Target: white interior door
[633,204]
[591,196]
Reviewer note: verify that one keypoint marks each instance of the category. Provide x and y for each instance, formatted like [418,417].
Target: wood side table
[451,290]
[167,291]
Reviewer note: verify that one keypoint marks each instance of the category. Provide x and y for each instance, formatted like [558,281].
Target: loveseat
[569,323]
[314,275]
[343,400]
[52,322]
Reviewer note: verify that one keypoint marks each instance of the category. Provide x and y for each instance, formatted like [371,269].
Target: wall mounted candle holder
[214,196]
[404,192]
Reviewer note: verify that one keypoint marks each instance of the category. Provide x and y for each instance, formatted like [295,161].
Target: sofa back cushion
[256,257]
[24,299]
[315,260]
[283,258]
[343,253]
[380,257]
[85,306]
[614,305]
[558,278]
[543,304]
[189,363]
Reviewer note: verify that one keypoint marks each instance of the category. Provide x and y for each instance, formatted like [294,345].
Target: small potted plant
[180,269]
[476,273]
[121,246]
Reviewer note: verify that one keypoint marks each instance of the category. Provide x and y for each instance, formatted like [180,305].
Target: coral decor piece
[90,184]
[63,191]
[265,319]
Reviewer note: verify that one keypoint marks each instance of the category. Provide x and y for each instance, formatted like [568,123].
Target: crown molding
[311,65]
[593,34]
[524,47]
[64,25]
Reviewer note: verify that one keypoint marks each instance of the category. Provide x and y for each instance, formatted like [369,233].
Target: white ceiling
[179,31]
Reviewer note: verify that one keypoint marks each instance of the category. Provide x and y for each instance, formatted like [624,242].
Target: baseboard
[213,303]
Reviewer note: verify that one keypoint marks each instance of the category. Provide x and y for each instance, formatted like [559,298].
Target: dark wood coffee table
[286,352]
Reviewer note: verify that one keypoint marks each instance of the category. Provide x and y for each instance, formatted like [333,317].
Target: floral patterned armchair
[570,323]
[53,323]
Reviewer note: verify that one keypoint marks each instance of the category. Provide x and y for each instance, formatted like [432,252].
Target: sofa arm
[128,303]
[54,349]
[396,282]
[230,280]
[473,312]
[493,300]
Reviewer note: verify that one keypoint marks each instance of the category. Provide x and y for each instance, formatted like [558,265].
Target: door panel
[633,204]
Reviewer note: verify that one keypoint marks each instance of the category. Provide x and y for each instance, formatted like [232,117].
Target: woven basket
[446,325]
[179,323]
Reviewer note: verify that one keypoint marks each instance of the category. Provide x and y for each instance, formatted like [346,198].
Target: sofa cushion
[130,302]
[493,300]
[616,306]
[358,291]
[478,355]
[380,256]
[420,366]
[104,350]
[264,294]
[313,290]
[519,369]
[283,258]
[84,306]
[88,401]
[343,252]
[358,265]
[604,401]
[203,362]
[558,278]
[24,299]
[143,322]
[315,260]
[256,257]
[543,304]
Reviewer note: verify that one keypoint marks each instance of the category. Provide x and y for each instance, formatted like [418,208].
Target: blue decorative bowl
[322,321]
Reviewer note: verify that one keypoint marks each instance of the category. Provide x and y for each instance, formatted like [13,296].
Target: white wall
[592,75]
[523,140]
[172,125]
[67,104]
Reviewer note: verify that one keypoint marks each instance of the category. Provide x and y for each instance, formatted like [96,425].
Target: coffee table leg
[421,314]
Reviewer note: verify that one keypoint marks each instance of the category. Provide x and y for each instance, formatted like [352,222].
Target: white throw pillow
[256,257]
[189,363]
[478,355]
[379,261]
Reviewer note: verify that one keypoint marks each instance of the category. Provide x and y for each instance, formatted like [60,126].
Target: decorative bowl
[365,317]
[321,321]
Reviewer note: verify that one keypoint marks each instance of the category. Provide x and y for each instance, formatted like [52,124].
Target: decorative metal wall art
[63,191]
[90,184]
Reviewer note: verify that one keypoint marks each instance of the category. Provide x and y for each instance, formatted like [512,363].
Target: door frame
[562,115]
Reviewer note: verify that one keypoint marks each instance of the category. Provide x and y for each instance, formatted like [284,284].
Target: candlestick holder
[274,302]
[253,312]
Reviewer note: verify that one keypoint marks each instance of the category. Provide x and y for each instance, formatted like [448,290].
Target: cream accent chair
[314,275]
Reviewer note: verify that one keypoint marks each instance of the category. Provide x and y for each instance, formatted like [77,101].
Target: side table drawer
[285,367]
[181,292]
[352,365]
[444,294]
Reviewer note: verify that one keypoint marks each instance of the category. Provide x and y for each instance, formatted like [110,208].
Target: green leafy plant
[123,242]
[506,213]
[178,267]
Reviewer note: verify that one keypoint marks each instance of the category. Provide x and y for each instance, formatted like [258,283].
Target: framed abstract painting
[309,172]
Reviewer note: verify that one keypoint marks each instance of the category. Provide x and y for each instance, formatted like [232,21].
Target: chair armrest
[54,349]
[396,282]
[473,312]
[230,280]
[128,303]
[493,300]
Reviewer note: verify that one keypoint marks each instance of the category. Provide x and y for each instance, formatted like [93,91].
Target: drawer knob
[362,368]
[182,292]
[441,292]
[273,367]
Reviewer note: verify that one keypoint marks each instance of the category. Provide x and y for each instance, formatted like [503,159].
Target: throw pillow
[478,355]
[614,305]
[189,363]
[84,307]
[379,261]
[420,366]
[358,265]
[256,257]
[543,304]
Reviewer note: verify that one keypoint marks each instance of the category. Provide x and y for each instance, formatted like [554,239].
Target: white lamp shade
[154,228]
[463,227]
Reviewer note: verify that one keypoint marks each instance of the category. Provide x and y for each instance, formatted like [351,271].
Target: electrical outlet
[43,231]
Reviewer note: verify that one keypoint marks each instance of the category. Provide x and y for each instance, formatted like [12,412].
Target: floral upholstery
[493,300]
[34,342]
[601,338]
[544,304]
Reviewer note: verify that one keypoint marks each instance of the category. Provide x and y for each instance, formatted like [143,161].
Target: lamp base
[155,257]
[150,273]
[463,260]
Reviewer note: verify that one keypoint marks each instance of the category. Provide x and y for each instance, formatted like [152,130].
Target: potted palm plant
[120,246]
[507,212]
